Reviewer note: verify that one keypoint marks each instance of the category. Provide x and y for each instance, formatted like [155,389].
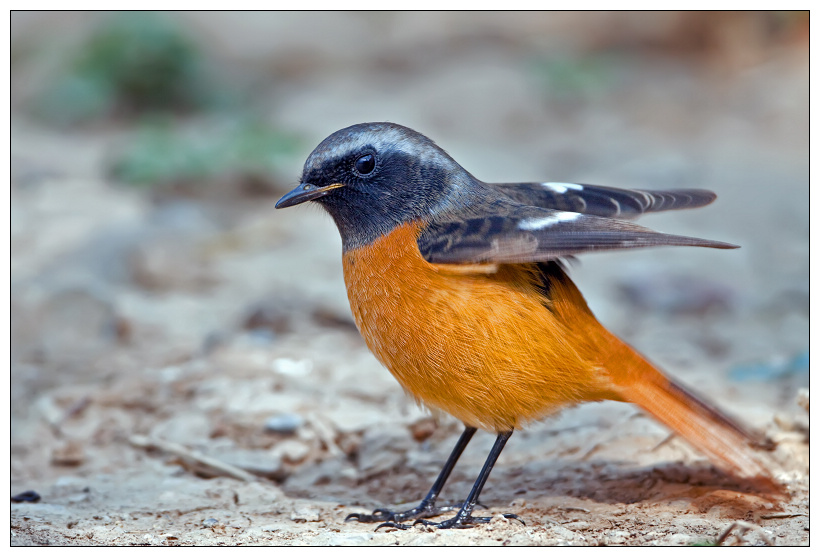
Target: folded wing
[512,233]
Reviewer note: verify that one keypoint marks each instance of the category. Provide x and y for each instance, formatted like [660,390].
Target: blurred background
[156,291]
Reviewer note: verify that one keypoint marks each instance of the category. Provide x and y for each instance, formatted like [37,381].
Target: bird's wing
[603,201]
[506,232]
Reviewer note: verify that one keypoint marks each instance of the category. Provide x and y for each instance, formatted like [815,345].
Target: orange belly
[478,343]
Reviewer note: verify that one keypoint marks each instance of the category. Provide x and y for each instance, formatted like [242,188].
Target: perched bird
[457,287]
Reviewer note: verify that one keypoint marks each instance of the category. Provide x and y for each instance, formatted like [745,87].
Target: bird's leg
[427,507]
[464,518]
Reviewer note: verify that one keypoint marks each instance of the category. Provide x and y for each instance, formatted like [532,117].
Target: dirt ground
[185,369]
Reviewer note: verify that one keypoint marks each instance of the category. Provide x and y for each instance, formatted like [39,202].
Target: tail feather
[631,378]
[728,444]
[723,440]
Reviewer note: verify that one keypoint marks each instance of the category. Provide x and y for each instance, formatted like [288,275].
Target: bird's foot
[392,519]
[463,520]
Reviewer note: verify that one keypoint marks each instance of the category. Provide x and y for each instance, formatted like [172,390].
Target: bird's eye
[365,164]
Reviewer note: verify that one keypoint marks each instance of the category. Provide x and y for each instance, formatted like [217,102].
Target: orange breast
[480,344]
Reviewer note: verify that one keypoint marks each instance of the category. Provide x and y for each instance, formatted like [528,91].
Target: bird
[460,289]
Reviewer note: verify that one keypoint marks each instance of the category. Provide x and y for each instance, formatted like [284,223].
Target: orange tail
[631,378]
[728,444]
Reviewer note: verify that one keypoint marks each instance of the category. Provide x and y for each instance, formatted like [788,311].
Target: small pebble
[284,423]
[422,429]
[210,522]
[293,368]
[29,496]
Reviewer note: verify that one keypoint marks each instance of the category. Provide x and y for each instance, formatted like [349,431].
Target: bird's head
[374,177]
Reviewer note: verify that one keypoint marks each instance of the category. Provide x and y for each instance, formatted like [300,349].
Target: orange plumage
[486,346]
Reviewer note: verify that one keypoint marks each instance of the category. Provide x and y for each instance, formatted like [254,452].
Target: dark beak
[304,192]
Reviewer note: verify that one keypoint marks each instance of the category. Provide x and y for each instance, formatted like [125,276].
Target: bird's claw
[469,522]
[465,521]
[391,524]
[379,515]
[511,516]
[390,519]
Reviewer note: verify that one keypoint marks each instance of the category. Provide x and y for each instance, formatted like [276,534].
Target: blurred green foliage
[163,153]
[573,77]
[144,67]
[132,62]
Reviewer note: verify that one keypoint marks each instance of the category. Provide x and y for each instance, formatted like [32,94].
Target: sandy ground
[186,371]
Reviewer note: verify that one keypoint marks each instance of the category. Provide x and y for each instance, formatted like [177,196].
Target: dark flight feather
[513,233]
[603,201]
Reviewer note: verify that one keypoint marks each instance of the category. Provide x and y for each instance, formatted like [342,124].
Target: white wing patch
[562,187]
[537,223]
